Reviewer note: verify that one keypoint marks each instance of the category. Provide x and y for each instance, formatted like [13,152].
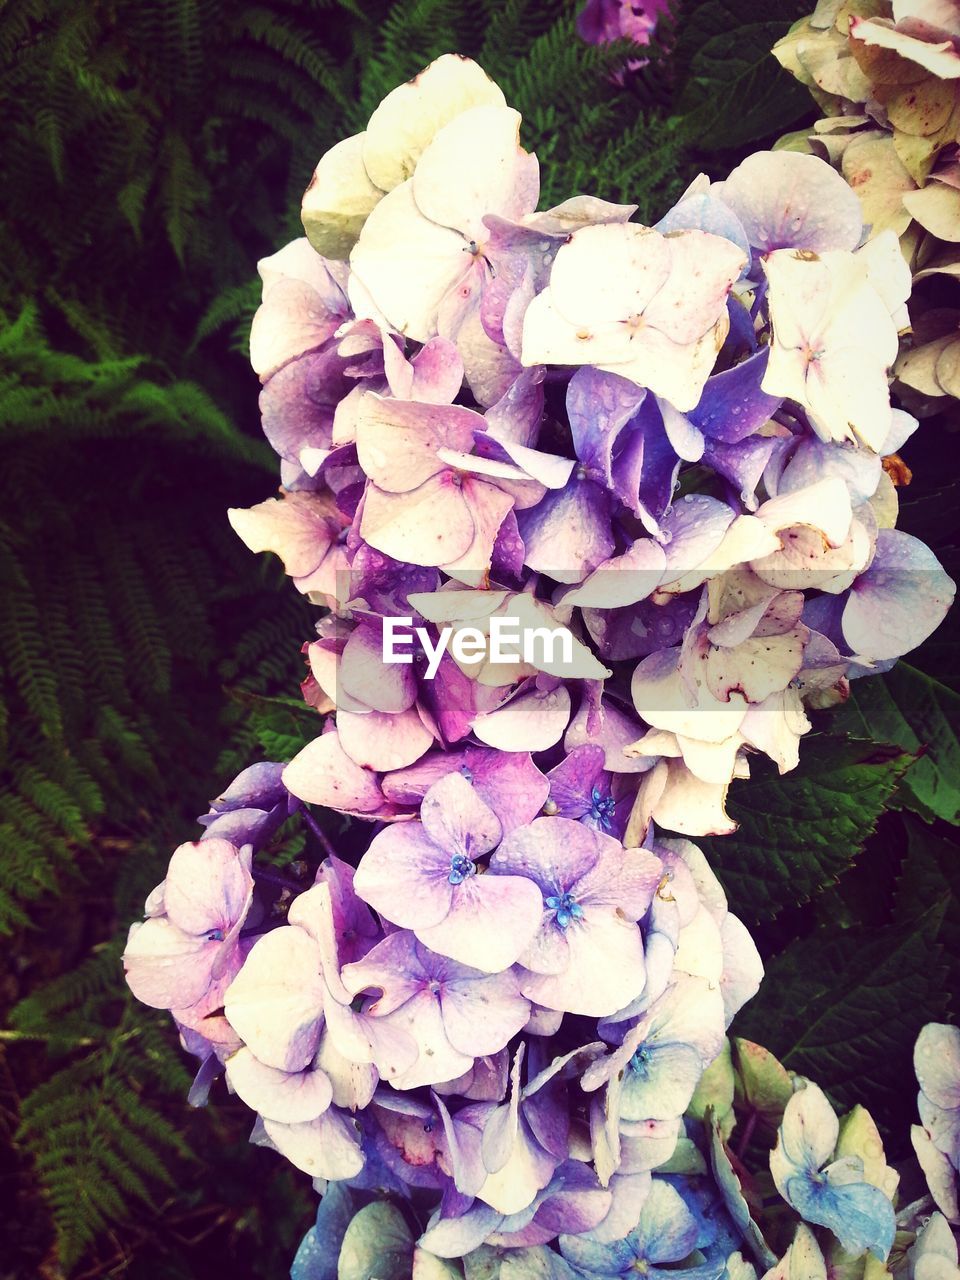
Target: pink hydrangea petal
[364,677]
[431,525]
[531,722]
[490,921]
[606,968]
[397,441]
[380,740]
[208,886]
[166,968]
[422,1019]
[481,1015]
[275,1003]
[438,372]
[403,876]
[788,200]
[457,819]
[327,1147]
[322,773]
[297,527]
[290,1097]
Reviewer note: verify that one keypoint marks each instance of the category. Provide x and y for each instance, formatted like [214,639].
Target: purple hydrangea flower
[454,1013]
[424,876]
[587,954]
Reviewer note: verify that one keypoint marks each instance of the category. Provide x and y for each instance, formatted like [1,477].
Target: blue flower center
[215,935]
[460,868]
[602,809]
[566,907]
[640,1062]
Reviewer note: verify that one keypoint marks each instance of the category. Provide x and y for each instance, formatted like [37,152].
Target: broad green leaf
[919,714]
[799,832]
[845,1006]
[735,90]
[931,873]
[377,1245]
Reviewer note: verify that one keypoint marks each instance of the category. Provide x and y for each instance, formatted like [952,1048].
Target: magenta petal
[438,372]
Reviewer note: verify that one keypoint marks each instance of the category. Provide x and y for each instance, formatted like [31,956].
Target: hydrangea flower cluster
[674,445]
[888,80]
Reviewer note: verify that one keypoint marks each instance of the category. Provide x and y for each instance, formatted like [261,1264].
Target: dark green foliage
[922,716]
[94,1127]
[733,90]
[845,1007]
[799,832]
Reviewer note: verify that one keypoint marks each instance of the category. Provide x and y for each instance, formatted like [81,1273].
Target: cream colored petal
[339,199]
[475,166]
[609,273]
[405,265]
[937,208]
[941,58]
[410,117]
[872,167]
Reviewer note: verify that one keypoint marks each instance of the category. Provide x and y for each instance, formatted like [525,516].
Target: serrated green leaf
[799,832]
[919,714]
[377,1245]
[845,1006]
[736,91]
